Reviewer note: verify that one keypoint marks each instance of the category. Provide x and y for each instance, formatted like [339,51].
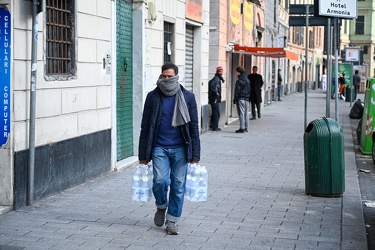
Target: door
[124,81]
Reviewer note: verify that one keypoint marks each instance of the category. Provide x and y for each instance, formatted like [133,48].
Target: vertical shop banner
[248,20]
[194,10]
[4,76]
[236,21]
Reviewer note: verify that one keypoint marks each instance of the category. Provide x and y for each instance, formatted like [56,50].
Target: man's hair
[255,67]
[169,66]
[241,70]
[357,71]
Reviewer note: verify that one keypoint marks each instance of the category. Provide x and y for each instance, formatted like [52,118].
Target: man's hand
[194,161]
[144,162]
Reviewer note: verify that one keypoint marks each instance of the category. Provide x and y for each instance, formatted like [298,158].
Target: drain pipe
[37,6]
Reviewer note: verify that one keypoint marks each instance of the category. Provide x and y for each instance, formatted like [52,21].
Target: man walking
[279,81]
[356,82]
[214,97]
[256,83]
[170,138]
[241,99]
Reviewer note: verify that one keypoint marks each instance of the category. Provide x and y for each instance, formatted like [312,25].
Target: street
[256,197]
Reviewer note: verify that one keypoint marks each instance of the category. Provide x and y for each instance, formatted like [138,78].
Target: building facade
[73,97]
[96,62]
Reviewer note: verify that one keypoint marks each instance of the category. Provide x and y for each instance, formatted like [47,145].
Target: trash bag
[357,110]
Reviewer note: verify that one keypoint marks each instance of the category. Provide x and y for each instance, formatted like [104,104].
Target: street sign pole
[329,71]
[335,27]
[306,60]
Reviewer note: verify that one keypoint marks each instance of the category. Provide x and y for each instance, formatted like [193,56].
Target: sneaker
[253,118]
[240,130]
[172,227]
[246,130]
[159,217]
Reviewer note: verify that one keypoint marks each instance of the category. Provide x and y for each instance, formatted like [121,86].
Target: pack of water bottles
[196,183]
[142,183]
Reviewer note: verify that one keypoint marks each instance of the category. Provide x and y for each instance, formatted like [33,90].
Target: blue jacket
[151,122]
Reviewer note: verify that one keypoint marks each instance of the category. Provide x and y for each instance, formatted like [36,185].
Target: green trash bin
[324,158]
[368,122]
[349,93]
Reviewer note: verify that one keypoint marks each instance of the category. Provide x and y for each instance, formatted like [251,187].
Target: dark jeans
[253,104]
[215,116]
[278,91]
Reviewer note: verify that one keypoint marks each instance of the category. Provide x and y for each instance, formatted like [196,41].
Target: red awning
[267,52]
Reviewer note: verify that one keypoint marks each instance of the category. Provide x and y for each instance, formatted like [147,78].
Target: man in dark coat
[256,84]
[170,138]
[214,97]
[279,82]
[356,82]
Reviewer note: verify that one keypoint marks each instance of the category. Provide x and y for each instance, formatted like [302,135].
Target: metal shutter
[189,51]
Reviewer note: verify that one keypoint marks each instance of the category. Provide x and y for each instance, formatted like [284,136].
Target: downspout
[113,87]
[34,50]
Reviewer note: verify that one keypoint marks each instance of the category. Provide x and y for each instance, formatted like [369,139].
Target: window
[360,25]
[302,36]
[60,38]
[365,49]
[168,42]
[297,35]
[311,39]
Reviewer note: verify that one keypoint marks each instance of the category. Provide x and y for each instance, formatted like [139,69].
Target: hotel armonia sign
[338,8]
[4,76]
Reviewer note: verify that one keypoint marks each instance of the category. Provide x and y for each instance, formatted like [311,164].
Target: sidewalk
[256,198]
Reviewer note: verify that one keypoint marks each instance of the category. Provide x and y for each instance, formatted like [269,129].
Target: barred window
[168,42]
[60,38]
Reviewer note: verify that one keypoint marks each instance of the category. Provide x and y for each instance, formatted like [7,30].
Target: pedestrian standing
[241,99]
[256,84]
[170,138]
[356,82]
[214,97]
[324,81]
[279,81]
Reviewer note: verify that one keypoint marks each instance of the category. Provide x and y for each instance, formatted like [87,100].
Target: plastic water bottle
[144,194]
[136,188]
[194,188]
[150,179]
[203,184]
[188,183]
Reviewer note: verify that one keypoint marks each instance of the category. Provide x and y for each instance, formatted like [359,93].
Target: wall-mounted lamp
[152,12]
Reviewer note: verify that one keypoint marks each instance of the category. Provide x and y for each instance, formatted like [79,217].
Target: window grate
[59,37]
[168,37]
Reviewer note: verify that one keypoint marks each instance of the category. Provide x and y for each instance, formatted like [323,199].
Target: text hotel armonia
[4,76]
[338,8]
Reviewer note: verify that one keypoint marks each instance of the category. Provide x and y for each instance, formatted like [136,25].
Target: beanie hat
[219,68]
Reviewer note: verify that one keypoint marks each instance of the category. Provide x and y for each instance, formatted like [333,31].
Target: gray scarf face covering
[171,87]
